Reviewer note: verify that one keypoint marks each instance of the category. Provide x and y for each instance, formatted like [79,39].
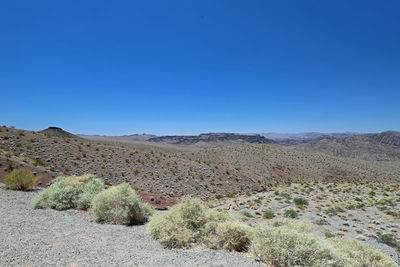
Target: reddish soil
[157,201]
[8,165]
[44,177]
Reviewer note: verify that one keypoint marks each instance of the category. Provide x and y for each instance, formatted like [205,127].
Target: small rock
[361,237]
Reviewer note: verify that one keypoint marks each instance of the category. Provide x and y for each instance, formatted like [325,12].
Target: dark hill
[58,132]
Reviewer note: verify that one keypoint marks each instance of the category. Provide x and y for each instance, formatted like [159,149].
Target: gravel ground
[48,237]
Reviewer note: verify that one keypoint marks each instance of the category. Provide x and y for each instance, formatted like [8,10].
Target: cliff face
[212,137]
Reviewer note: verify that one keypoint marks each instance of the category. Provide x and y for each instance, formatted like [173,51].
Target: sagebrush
[292,243]
[68,192]
[283,246]
[360,255]
[120,205]
[191,222]
[232,236]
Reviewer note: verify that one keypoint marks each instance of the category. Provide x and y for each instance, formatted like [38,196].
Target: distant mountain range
[213,138]
[383,146]
[372,146]
[133,138]
[304,137]
[196,141]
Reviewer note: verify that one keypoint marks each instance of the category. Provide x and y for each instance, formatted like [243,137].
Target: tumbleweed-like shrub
[20,179]
[188,222]
[169,231]
[361,255]
[231,235]
[69,192]
[282,246]
[120,205]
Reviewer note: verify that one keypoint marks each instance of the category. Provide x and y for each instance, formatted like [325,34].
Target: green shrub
[362,255]
[69,192]
[269,214]
[20,179]
[300,201]
[290,213]
[286,247]
[230,235]
[190,221]
[120,205]
[334,210]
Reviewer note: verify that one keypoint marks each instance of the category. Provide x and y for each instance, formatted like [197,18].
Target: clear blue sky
[186,67]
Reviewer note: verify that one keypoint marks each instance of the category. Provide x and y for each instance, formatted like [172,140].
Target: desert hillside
[186,142]
[204,173]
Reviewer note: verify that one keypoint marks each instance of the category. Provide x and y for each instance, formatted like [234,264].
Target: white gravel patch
[30,237]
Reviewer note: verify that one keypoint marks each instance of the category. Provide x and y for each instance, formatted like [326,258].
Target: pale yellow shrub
[282,246]
[188,222]
[362,256]
[230,235]
[299,226]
